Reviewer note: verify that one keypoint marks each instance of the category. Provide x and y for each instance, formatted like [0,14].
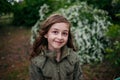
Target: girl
[53,56]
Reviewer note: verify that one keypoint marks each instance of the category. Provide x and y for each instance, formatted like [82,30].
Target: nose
[59,36]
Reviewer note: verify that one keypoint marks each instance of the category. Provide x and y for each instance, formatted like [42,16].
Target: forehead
[60,26]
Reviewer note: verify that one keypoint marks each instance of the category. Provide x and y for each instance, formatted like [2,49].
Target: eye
[65,33]
[55,32]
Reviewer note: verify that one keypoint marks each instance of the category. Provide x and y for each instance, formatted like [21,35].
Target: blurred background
[95,27]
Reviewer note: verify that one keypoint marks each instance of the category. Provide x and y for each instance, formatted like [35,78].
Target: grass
[6,19]
[20,74]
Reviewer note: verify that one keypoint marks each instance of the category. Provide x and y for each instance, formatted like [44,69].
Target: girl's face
[57,36]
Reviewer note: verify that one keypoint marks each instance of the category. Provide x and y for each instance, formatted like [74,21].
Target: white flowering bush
[88,26]
[42,13]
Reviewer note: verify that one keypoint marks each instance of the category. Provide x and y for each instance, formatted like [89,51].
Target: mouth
[58,42]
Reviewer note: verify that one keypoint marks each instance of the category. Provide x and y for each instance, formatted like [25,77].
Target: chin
[58,47]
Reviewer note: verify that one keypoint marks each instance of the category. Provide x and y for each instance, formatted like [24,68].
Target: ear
[45,36]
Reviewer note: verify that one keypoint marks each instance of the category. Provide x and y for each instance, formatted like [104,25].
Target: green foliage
[111,6]
[5,7]
[116,7]
[114,32]
[25,13]
[113,51]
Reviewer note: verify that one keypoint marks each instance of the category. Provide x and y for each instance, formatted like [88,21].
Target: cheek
[66,39]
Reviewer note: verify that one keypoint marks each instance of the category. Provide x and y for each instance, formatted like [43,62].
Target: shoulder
[38,60]
[73,57]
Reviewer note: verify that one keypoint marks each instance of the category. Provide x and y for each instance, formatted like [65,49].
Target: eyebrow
[58,29]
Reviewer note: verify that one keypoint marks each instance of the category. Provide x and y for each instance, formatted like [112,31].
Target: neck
[58,53]
[58,56]
[54,50]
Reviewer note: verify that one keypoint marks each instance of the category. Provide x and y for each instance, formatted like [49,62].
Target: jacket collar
[52,55]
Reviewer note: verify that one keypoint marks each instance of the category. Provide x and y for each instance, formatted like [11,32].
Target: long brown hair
[41,42]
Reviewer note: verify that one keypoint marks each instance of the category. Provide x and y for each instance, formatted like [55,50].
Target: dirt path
[14,45]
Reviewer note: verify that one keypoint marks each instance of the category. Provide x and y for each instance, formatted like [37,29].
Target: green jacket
[45,67]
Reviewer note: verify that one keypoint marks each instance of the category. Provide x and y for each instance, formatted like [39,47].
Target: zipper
[58,71]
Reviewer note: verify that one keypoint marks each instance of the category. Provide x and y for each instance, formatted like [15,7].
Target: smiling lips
[58,42]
